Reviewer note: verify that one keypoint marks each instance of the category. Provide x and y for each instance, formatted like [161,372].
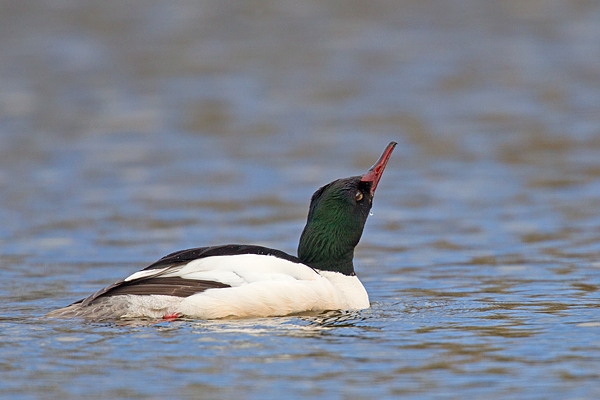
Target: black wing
[185,256]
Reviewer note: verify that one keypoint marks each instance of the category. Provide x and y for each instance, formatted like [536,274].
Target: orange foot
[171,317]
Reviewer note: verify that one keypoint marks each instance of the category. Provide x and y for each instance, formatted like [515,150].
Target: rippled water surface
[131,129]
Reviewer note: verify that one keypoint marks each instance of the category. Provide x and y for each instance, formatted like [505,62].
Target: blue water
[129,130]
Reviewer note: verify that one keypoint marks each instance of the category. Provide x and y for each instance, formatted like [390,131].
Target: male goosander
[253,281]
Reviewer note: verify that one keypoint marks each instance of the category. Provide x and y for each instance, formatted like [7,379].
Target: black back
[185,256]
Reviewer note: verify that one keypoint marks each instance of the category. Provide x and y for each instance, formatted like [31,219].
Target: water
[129,130]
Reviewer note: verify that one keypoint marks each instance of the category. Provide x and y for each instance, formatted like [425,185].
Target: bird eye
[359,196]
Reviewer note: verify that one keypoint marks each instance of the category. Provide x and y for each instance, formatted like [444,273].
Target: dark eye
[359,196]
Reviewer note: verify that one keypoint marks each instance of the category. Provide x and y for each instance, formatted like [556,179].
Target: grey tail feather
[111,308]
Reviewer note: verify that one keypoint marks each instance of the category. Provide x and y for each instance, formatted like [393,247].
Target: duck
[245,281]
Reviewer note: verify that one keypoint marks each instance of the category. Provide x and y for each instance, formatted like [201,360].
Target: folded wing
[188,272]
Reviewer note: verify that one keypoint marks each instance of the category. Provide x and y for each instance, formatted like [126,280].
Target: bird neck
[329,245]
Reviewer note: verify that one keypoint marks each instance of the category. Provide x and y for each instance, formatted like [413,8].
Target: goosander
[254,281]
